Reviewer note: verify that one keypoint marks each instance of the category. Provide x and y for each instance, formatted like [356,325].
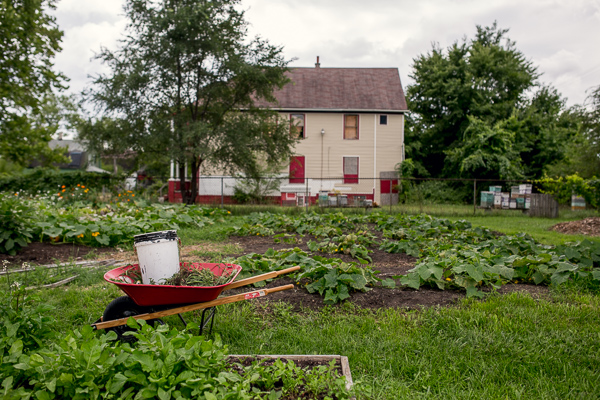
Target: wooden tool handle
[192,307]
[259,278]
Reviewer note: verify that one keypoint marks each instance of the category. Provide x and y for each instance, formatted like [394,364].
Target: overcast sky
[559,37]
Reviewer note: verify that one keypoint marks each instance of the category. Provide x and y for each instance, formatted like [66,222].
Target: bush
[563,188]
[46,180]
[434,192]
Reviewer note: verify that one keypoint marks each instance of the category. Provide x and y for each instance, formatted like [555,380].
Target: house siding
[324,155]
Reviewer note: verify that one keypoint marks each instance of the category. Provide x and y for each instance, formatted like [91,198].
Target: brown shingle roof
[351,89]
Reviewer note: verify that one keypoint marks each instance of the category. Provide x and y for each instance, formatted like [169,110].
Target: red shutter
[297,169]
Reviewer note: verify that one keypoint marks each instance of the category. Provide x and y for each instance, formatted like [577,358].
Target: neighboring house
[350,122]
[78,155]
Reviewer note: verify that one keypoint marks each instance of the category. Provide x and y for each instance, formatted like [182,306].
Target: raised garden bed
[303,361]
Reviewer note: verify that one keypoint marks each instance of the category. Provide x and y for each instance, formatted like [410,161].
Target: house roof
[341,89]
[72,145]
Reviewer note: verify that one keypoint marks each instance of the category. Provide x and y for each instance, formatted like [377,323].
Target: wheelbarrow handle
[259,278]
[192,307]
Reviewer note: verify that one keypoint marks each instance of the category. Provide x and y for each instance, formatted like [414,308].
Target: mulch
[588,226]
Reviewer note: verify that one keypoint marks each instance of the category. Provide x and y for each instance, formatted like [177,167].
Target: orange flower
[133,195]
[119,194]
[63,186]
[78,184]
[83,187]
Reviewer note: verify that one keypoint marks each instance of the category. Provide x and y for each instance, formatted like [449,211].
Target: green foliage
[450,254]
[30,39]
[330,277]
[164,363]
[583,149]
[16,225]
[352,244]
[42,180]
[455,255]
[25,326]
[563,188]
[435,192]
[485,152]
[41,219]
[177,103]
[475,113]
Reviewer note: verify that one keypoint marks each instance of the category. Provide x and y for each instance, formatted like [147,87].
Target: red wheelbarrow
[152,302]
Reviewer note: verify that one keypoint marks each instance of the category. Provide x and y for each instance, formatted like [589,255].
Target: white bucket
[158,255]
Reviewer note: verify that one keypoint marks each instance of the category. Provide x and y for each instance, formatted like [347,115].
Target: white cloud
[558,36]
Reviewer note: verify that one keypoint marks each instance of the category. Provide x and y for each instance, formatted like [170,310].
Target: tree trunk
[195,165]
[184,196]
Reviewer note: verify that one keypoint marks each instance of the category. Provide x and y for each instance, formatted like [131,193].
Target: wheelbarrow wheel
[125,307]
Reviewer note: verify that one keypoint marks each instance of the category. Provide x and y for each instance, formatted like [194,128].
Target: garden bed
[342,367]
[379,297]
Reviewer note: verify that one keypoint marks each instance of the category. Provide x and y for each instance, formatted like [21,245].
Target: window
[383,120]
[351,126]
[350,170]
[297,126]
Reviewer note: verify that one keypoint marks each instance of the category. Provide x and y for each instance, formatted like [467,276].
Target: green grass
[505,347]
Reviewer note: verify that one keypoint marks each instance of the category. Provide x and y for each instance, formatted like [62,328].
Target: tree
[583,149]
[185,79]
[485,78]
[29,39]
[486,152]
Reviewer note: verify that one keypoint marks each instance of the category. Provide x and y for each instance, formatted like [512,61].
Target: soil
[43,253]
[588,226]
[388,265]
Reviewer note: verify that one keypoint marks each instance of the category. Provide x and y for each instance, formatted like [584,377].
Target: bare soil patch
[588,226]
[42,253]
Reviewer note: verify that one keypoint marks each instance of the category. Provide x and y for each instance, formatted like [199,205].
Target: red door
[389,186]
[297,169]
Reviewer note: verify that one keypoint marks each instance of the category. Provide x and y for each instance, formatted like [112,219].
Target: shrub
[47,180]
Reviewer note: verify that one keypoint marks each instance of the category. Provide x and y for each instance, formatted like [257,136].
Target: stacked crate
[520,197]
[577,203]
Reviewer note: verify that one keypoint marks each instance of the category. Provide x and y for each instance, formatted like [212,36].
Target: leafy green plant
[352,244]
[330,277]
[16,227]
[455,255]
[164,363]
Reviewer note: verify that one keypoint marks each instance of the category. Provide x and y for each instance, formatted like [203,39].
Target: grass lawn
[503,347]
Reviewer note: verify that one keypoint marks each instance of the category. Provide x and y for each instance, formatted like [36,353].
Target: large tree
[483,87]
[185,78]
[29,40]
[583,150]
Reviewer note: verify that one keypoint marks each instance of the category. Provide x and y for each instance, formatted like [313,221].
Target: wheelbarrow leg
[204,319]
